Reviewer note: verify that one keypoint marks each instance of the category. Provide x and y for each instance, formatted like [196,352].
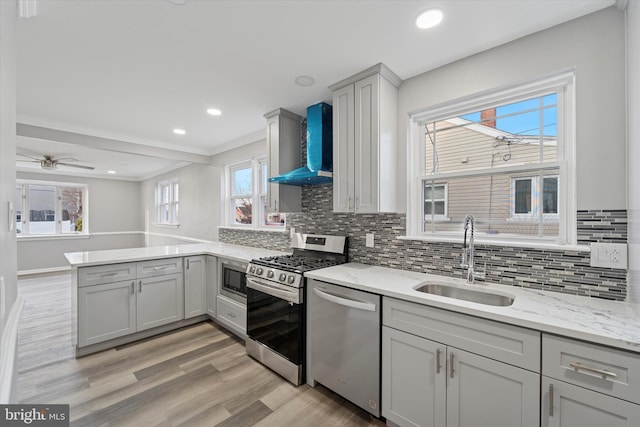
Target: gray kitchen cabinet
[365,127]
[588,385]
[110,308]
[232,314]
[283,148]
[160,301]
[445,369]
[212,285]
[195,286]
[106,311]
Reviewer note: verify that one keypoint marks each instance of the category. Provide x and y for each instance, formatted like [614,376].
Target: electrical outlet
[609,255]
[369,240]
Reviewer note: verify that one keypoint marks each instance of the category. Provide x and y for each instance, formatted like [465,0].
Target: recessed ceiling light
[111,172]
[179,131]
[305,81]
[429,19]
[214,111]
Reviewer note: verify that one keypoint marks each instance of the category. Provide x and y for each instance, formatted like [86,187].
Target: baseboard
[48,270]
[9,353]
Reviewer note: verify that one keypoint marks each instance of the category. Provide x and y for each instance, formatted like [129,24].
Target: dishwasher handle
[347,302]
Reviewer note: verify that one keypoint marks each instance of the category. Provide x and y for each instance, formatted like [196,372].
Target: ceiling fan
[50,163]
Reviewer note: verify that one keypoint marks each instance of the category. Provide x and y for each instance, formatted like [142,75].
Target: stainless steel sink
[479,297]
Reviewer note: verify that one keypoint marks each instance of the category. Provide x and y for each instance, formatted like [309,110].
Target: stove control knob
[282,277]
[291,279]
[252,269]
[270,274]
[259,271]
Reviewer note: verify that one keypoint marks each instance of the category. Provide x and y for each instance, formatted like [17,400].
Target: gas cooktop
[295,263]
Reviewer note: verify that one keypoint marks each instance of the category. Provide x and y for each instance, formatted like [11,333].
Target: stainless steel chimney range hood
[319,168]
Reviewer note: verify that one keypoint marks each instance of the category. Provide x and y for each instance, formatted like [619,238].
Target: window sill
[250,228]
[479,240]
[534,219]
[156,224]
[36,237]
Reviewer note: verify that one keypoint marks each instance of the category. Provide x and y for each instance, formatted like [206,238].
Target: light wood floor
[197,376]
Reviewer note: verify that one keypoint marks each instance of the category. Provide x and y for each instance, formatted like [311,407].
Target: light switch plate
[609,255]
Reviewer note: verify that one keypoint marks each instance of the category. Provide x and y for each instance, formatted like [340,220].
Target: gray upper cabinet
[283,147]
[365,132]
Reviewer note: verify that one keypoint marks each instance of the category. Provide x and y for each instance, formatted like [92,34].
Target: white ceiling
[133,70]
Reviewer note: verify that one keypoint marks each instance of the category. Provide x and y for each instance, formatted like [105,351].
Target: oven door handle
[360,305]
[286,295]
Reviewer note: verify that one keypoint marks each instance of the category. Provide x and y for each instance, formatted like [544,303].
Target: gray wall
[595,46]
[115,221]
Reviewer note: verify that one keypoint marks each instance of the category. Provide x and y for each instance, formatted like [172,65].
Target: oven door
[275,318]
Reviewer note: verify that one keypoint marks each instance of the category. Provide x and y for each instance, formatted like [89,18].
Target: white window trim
[562,82]
[255,164]
[58,210]
[173,222]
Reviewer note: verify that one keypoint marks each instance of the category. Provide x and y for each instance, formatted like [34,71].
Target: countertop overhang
[113,256]
[612,323]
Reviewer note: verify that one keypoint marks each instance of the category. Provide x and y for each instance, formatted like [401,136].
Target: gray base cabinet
[212,285]
[160,301]
[106,311]
[195,286]
[453,370]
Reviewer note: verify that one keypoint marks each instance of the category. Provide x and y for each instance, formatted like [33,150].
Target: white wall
[201,193]
[115,221]
[633,155]
[8,282]
[198,203]
[594,45]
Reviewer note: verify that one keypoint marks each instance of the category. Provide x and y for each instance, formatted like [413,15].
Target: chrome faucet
[468,252]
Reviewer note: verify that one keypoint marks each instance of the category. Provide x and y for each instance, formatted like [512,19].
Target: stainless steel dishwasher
[344,342]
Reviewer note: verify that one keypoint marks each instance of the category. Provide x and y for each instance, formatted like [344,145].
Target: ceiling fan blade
[76,166]
[35,159]
[28,161]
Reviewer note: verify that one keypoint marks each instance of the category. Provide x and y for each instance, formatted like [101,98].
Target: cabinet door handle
[140,286]
[133,287]
[275,205]
[187,263]
[551,400]
[438,364]
[604,373]
[231,314]
[349,204]
[451,369]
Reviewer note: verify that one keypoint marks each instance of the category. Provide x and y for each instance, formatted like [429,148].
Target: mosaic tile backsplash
[549,270]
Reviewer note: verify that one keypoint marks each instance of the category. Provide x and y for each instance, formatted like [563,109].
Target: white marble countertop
[612,323]
[112,256]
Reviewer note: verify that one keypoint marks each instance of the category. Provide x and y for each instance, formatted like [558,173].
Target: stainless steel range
[275,301]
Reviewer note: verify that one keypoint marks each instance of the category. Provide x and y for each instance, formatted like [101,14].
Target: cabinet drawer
[110,273]
[603,369]
[232,314]
[506,343]
[159,267]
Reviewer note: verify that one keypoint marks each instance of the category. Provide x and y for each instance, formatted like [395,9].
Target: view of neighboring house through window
[248,195]
[504,163]
[49,208]
[167,202]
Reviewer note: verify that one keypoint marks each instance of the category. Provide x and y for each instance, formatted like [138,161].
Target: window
[247,196]
[44,208]
[167,202]
[435,202]
[504,156]
[527,198]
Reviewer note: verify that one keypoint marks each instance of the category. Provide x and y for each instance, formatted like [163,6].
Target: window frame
[172,205]
[25,232]
[445,199]
[259,166]
[563,84]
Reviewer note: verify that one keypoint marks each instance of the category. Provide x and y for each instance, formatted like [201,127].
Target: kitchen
[202,183]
